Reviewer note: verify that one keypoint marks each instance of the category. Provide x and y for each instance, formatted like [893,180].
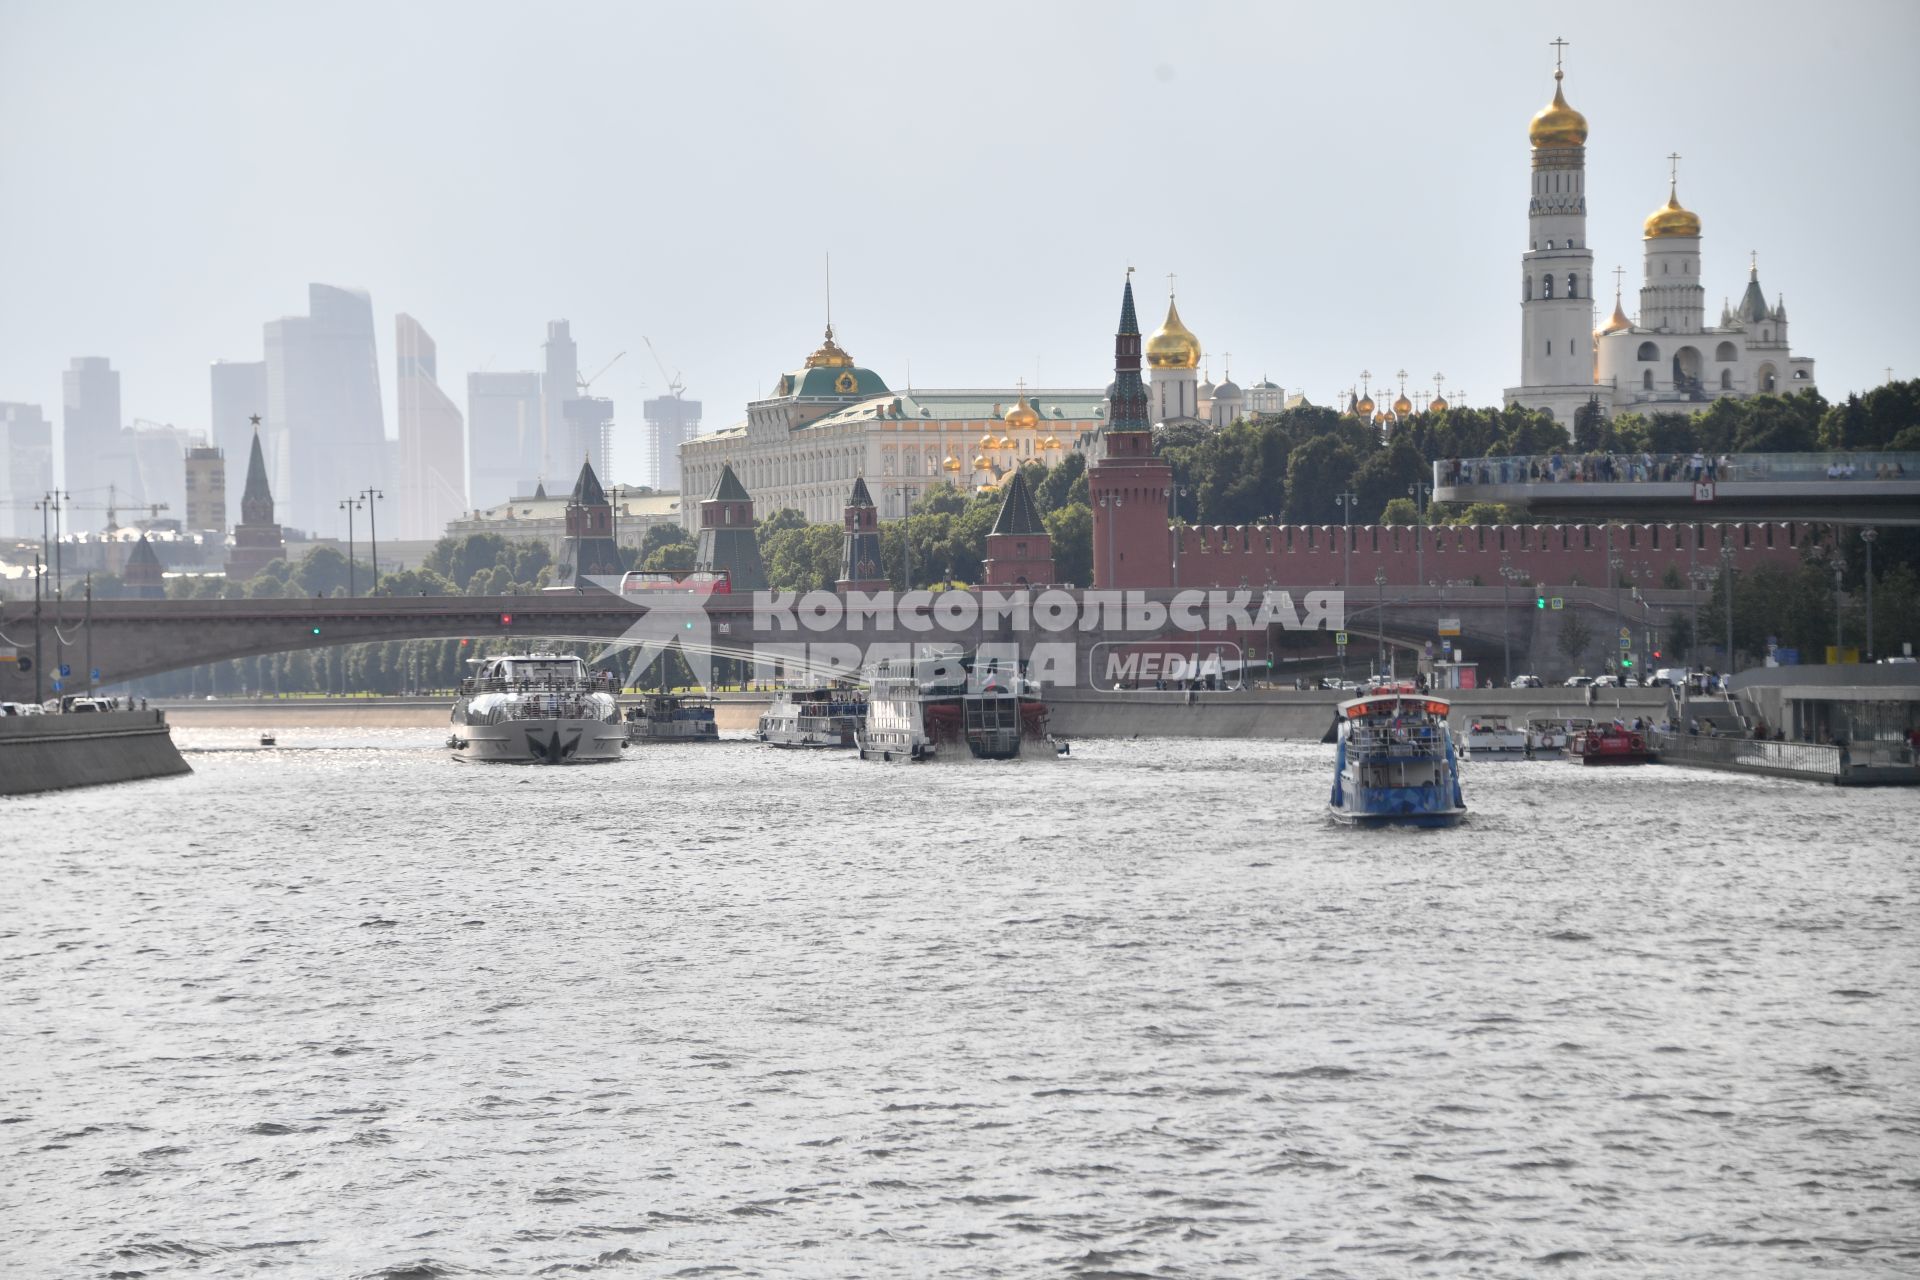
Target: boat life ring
[1637,744]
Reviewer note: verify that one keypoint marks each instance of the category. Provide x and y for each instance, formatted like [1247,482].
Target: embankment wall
[51,753]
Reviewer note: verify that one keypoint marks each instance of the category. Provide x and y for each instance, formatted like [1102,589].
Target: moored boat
[1394,764]
[823,718]
[1491,737]
[928,707]
[536,708]
[1549,735]
[1612,744]
[672,717]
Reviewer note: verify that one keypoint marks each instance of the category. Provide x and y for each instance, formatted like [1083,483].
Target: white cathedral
[1666,358]
[1178,392]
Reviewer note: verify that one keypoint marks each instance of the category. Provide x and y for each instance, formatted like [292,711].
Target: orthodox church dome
[1671,220]
[1557,124]
[1022,416]
[1173,345]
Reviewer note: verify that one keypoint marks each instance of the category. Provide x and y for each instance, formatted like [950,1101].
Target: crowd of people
[1635,468]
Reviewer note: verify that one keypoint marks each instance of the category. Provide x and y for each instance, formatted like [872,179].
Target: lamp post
[1614,565]
[350,505]
[1418,492]
[906,537]
[1508,576]
[1868,536]
[1111,503]
[1380,616]
[1839,572]
[39,668]
[1726,561]
[1346,501]
[1174,493]
[373,536]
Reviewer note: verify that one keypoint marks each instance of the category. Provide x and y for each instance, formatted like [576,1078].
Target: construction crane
[153,509]
[586,384]
[674,385]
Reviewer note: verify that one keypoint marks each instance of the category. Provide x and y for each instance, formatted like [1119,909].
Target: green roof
[973,404]
[586,490]
[829,383]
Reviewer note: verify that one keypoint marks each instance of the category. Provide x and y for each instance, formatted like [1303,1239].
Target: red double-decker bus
[691,582]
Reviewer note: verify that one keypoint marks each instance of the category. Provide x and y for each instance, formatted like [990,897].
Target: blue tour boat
[1395,764]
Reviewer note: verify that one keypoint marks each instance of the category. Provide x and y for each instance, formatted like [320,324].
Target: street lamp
[1346,501]
[1726,561]
[1839,572]
[1508,576]
[350,505]
[906,536]
[1112,503]
[1418,492]
[1869,536]
[1380,615]
[373,536]
[1174,494]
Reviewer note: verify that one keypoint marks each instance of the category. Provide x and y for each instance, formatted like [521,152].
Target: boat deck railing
[1421,740]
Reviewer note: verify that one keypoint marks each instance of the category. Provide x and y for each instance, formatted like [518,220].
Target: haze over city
[1335,190]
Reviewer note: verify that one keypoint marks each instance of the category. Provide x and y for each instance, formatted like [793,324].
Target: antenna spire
[829,294]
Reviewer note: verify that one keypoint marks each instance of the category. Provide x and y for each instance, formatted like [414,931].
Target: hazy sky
[1338,187]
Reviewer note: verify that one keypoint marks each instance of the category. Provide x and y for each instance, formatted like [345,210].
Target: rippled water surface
[346,1008]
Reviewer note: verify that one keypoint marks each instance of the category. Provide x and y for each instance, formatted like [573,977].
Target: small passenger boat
[672,717]
[814,718]
[535,708]
[1612,744]
[1549,735]
[1394,764]
[1494,738]
[926,707]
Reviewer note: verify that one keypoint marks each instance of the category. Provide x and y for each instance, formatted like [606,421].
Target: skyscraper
[503,433]
[324,430]
[432,477]
[206,473]
[239,392]
[561,384]
[671,422]
[91,438]
[26,467]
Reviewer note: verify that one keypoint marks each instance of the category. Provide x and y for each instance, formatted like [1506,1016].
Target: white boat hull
[539,742]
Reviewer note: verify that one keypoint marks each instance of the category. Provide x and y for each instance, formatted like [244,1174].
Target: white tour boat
[536,708]
[1494,738]
[928,707]
[814,718]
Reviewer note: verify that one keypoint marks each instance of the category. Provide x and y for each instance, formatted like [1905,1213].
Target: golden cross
[1169,284]
[1673,168]
[1618,272]
[1559,46]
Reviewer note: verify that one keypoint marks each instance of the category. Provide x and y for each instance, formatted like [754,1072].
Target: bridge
[129,639]
[1844,488]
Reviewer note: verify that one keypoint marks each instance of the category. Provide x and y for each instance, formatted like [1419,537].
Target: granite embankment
[1075,713]
[51,753]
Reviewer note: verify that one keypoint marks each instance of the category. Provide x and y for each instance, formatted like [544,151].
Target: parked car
[1528,682]
[1578,682]
[1608,681]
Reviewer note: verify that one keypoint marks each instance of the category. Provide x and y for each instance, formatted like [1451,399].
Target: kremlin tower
[860,558]
[1129,487]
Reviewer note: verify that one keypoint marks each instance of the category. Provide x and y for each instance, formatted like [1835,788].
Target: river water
[346,1008]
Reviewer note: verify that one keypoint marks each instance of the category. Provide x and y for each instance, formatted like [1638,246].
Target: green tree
[1400,511]
[672,555]
[1576,633]
[1071,528]
[1317,471]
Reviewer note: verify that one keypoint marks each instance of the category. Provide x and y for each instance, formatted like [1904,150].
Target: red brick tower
[1129,487]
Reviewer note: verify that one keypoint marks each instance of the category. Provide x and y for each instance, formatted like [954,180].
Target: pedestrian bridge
[1847,488]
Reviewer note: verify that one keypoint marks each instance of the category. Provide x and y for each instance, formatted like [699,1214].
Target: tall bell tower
[1556,271]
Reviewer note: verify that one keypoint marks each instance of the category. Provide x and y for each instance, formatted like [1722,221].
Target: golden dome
[1557,124]
[829,356]
[1365,407]
[988,442]
[980,462]
[1439,405]
[952,463]
[1618,322]
[1022,416]
[1671,220]
[1006,442]
[1403,406]
[1051,442]
[1173,345]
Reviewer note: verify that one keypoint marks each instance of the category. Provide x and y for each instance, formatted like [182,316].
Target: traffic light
[1656,653]
[316,631]
[506,619]
[465,642]
[1539,602]
[1626,661]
